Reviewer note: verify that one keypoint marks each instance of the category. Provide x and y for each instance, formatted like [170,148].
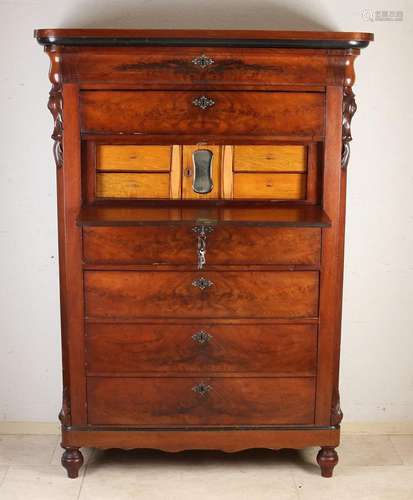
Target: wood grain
[172,401]
[128,186]
[253,113]
[269,158]
[71,284]
[133,158]
[314,173]
[122,102]
[237,213]
[170,349]
[334,186]
[252,294]
[175,190]
[269,186]
[190,439]
[159,67]
[227,178]
[226,245]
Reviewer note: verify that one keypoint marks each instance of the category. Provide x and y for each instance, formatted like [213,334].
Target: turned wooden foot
[72,461]
[327,459]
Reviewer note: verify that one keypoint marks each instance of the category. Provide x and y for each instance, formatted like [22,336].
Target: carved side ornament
[336,413]
[349,108]
[55,106]
[64,415]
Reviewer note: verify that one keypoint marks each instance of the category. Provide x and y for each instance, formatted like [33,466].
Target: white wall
[377,375]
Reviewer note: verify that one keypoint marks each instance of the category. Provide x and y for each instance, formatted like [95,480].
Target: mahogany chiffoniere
[201,202]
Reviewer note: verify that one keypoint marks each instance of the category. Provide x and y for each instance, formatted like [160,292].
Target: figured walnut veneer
[133,349]
[297,114]
[226,245]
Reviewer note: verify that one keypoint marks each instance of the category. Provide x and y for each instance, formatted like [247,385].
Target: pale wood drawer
[270,158]
[260,172]
[133,158]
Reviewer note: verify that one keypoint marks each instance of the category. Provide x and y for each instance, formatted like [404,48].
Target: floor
[370,468]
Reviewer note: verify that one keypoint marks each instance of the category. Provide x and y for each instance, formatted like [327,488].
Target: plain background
[377,346]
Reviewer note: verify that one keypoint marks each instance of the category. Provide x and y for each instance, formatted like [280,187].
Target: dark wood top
[255,215]
[203,38]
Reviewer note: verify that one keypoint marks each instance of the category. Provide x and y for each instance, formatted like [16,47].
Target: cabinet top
[203,38]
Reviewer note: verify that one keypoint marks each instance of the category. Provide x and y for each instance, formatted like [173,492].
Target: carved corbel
[349,108]
[64,415]
[55,105]
[336,413]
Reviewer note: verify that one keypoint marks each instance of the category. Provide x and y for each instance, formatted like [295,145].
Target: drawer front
[199,348]
[226,245]
[252,294]
[129,186]
[267,186]
[133,158]
[159,66]
[234,113]
[186,401]
[270,158]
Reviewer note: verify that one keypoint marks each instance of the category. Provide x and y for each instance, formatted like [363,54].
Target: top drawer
[234,67]
[292,114]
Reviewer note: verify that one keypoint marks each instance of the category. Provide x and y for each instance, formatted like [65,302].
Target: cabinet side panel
[70,195]
[332,260]
[64,415]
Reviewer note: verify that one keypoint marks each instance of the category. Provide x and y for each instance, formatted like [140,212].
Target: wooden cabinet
[201,198]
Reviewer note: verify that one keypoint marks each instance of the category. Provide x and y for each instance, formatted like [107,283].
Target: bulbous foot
[327,459]
[72,461]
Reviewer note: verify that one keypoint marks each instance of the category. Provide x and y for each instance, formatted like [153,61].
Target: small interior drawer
[269,186]
[132,185]
[279,172]
[133,158]
[270,158]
